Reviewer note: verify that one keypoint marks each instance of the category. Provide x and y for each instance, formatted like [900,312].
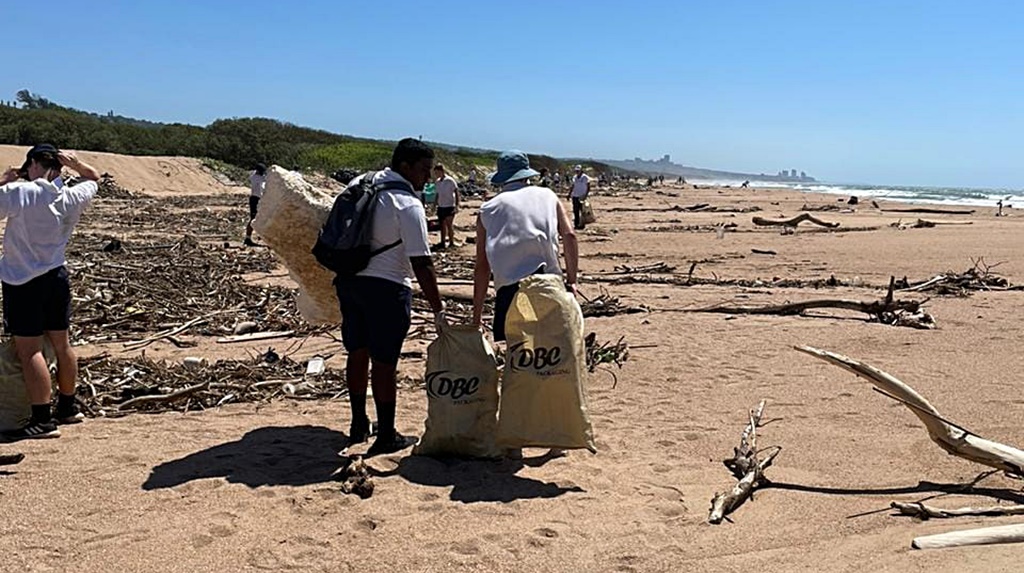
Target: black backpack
[343,245]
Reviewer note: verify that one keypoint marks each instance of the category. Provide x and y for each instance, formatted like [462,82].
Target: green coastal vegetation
[227,144]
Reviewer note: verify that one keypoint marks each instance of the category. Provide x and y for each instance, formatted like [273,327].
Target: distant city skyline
[878,92]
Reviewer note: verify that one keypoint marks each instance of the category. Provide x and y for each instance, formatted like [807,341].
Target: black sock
[358,403]
[41,413]
[385,420]
[65,403]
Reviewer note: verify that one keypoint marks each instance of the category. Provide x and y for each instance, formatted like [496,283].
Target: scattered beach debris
[886,311]
[979,277]
[117,386]
[794,221]
[607,305]
[825,207]
[763,252]
[747,466]
[925,224]
[356,478]
[658,267]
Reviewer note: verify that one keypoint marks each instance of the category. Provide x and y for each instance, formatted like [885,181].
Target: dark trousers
[577,213]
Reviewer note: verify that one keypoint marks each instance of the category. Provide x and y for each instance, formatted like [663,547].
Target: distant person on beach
[447,204]
[545,179]
[376,304]
[41,213]
[745,184]
[257,183]
[578,193]
[557,179]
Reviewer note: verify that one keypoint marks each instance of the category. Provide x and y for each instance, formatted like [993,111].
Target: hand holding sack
[462,395]
[543,399]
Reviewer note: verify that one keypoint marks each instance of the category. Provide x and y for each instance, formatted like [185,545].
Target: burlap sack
[462,396]
[14,404]
[543,400]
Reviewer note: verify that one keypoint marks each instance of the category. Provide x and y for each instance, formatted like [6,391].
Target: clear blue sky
[924,92]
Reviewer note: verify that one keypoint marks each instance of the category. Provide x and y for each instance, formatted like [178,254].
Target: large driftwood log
[873,307]
[954,439]
[746,467]
[793,222]
[923,511]
[982,536]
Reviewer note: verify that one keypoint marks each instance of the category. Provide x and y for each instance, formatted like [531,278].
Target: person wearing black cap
[257,183]
[41,214]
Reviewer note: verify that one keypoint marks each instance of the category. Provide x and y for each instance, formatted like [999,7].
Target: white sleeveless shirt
[521,224]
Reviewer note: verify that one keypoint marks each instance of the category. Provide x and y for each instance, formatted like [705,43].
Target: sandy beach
[249,487]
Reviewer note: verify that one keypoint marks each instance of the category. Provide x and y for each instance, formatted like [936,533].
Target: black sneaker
[389,445]
[72,417]
[359,433]
[33,431]
[68,413]
[249,242]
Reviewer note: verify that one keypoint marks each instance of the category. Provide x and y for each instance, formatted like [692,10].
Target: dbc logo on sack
[441,386]
[538,359]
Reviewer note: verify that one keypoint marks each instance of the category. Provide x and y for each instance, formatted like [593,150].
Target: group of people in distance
[518,234]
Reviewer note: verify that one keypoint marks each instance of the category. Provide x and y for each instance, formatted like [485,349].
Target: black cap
[36,151]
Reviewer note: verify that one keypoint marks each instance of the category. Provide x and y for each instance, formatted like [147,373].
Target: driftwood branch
[163,397]
[793,222]
[789,309]
[954,440]
[982,536]
[746,467]
[923,511]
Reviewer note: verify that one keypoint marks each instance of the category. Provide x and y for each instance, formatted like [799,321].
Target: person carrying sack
[376,301]
[517,235]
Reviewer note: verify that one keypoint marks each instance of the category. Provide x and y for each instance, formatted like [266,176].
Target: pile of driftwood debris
[124,288]
[118,386]
[979,277]
[607,305]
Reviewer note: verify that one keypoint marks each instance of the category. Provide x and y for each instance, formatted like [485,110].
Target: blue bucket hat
[513,165]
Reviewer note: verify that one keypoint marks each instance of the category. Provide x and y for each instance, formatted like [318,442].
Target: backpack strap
[387,186]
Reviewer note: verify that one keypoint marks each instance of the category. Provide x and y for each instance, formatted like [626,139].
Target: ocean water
[979,197]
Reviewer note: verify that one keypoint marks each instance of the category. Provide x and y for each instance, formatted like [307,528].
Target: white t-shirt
[446,189]
[521,224]
[579,186]
[257,183]
[399,215]
[40,217]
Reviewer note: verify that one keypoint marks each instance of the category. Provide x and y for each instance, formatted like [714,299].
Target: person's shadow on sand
[296,456]
[478,480]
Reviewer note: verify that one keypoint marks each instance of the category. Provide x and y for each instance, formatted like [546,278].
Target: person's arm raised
[70,160]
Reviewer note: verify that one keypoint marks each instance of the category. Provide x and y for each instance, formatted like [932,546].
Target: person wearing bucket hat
[517,235]
[41,214]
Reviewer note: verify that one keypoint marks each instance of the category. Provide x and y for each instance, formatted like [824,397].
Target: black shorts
[502,302]
[375,315]
[254,205]
[445,212]
[40,305]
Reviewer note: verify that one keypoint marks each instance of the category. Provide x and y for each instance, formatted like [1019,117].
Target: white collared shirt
[399,214]
[40,218]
